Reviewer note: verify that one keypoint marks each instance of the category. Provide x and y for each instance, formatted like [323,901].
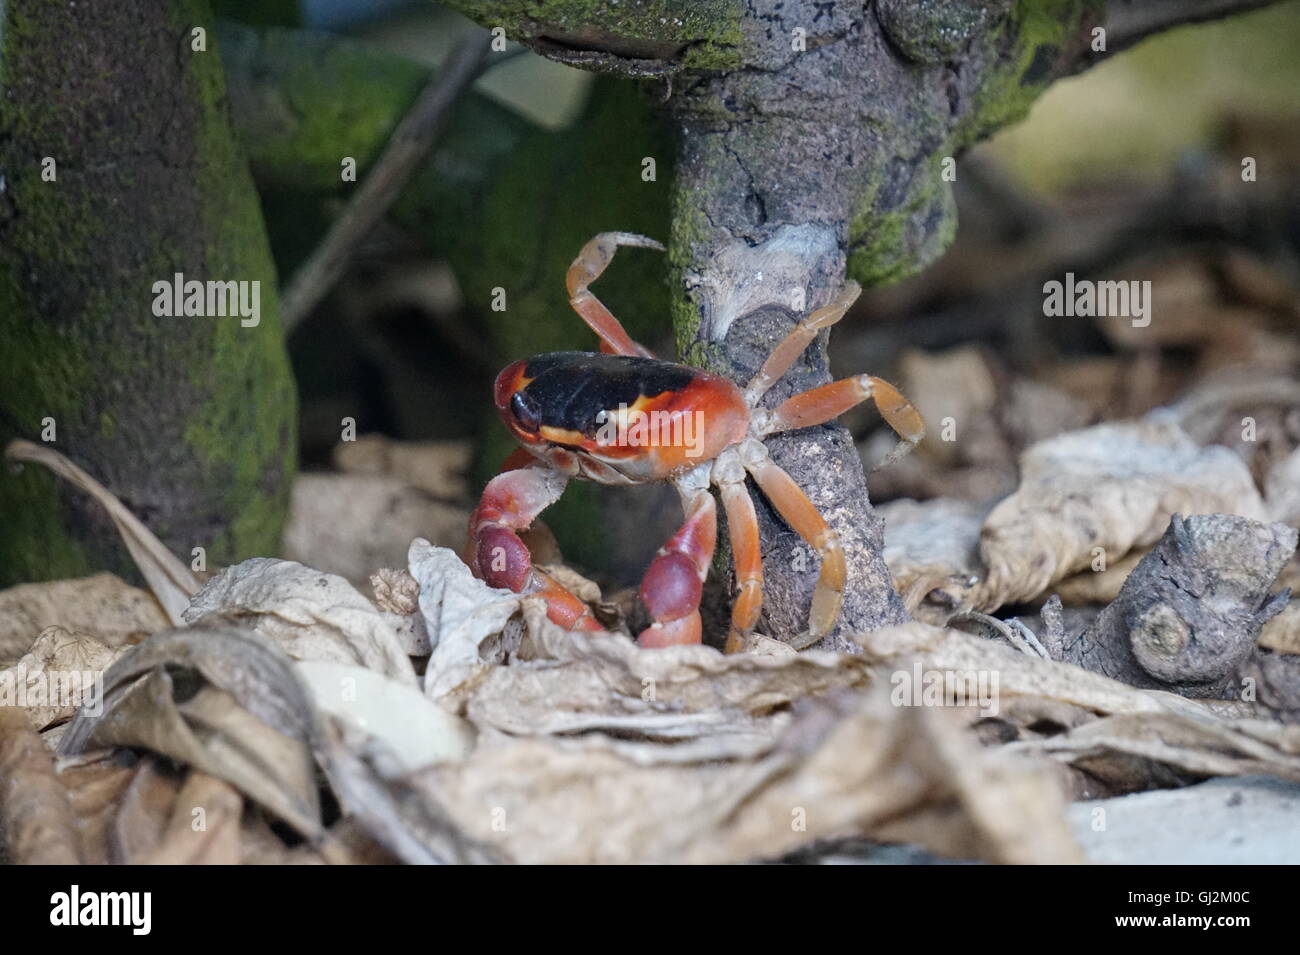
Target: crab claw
[496,554]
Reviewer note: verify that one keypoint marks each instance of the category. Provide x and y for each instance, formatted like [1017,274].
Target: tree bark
[1188,617]
[190,420]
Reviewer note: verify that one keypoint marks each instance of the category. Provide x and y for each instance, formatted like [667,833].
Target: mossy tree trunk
[190,420]
[813,142]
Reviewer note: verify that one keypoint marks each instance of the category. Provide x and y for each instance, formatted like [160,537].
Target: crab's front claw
[501,559]
[497,556]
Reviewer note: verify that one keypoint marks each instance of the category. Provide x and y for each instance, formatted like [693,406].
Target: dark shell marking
[569,389]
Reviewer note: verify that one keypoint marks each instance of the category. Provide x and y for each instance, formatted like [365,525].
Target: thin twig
[411,142]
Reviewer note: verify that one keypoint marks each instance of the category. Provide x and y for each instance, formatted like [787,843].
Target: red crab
[623,417]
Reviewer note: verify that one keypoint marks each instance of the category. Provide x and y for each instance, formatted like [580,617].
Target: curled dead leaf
[308,614]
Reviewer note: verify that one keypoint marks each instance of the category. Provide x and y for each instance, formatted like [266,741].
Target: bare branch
[410,144]
[1129,21]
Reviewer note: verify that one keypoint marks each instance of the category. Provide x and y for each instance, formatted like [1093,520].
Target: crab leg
[510,503]
[794,507]
[747,558]
[826,402]
[672,585]
[792,346]
[586,268]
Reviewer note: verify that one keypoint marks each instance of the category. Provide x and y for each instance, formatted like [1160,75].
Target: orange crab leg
[672,585]
[510,503]
[794,507]
[586,268]
[792,346]
[824,403]
[747,558]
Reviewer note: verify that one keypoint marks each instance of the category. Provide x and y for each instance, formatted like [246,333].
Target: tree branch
[1130,21]
[410,144]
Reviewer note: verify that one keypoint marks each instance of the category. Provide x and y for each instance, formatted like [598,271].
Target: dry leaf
[956,384]
[144,811]
[61,672]
[1101,586]
[350,524]
[397,596]
[170,580]
[308,614]
[1282,489]
[1282,633]
[96,784]
[463,617]
[36,821]
[1132,752]
[219,700]
[418,732]
[105,605]
[932,551]
[860,766]
[1103,491]
[438,467]
[204,827]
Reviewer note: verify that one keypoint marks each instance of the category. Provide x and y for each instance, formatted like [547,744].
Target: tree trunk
[190,420]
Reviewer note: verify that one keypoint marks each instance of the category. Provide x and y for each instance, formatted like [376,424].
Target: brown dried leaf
[96,784]
[144,810]
[36,821]
[1112,487]
[861,766]
[58,674]
[308,614]
[464,618]
[1282,633]
[1132,752]
[350,524]
[692,679]
[204,827]
[114,611]
[900,647]
[397,596]
[219,700]
[1098,587]
[438,467]
[932,551]
[956,384]
[171,581]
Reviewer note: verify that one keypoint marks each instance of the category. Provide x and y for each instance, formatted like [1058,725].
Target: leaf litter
[453,723]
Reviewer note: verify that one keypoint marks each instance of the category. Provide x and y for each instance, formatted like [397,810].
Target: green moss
[889,246]
[1035,35]
[332,98]
[703,35]
[551,194]
[248,362]
[32,532]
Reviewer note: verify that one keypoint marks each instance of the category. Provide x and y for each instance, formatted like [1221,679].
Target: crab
[623,417]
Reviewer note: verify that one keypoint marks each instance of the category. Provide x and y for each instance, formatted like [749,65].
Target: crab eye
[525,411]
